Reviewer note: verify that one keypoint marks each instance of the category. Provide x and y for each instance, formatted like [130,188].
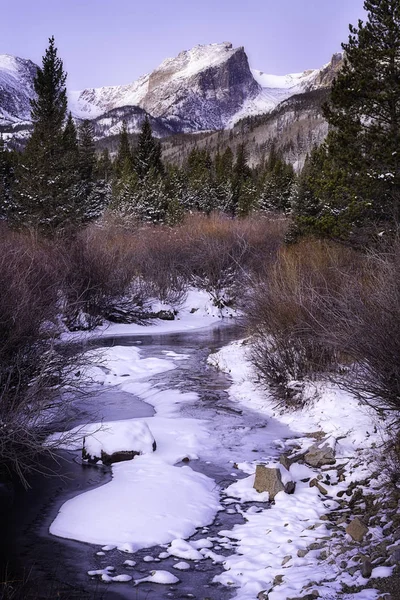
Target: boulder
[118,441]
[322,453]
[357,530]
[268,480]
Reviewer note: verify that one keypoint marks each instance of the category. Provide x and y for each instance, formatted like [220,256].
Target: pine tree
[70,156]
[277,186]
[87,151]
[362,148]
[92,194]
[147,157]
[124,159]
[42,193]
[7,170]
[104,166]
[241,173]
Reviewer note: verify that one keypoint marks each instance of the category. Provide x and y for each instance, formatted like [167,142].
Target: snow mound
[182,549]
[120,436]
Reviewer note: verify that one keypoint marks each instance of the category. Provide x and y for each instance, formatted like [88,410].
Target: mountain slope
[208,88]
[202,88]
[16,89]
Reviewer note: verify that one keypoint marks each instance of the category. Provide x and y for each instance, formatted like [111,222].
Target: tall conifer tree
[147,156]
[363,146]
[42,192]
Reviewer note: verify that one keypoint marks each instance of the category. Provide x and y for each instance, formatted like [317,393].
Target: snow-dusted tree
[92,195]
[362,148]
[123,163]
[42,193]
[277,189]
[147,156]
[146,200]
[7,168]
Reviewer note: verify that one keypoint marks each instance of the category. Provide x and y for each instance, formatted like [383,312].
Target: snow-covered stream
[184,521]
[186,405]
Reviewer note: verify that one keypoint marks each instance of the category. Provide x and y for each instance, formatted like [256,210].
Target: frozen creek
[236,434]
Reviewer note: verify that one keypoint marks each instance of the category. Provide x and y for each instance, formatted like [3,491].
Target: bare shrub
[32,369]
[161,259]
[288,317]
[364,323]
[102,277]
[222,252]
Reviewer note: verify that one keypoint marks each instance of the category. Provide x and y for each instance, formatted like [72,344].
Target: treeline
[146,189]
[59,183]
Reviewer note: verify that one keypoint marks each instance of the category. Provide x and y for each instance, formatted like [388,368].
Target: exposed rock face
[210,96]
[207,88]
[16,88]
[325,76]
[199,89]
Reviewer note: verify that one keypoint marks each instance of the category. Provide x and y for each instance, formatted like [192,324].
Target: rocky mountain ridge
[208,88]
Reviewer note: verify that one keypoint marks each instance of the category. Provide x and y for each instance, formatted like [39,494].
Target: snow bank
[197,312]
[289,539]
[149,501]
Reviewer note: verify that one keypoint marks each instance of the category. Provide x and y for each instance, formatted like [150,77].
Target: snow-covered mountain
[16,89]
[209,87]
[200,89]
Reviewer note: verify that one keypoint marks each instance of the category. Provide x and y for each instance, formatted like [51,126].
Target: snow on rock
[117,441]
[203,543]
[182,549]
[162,577]
[181,566]
[244,490]
[129,563]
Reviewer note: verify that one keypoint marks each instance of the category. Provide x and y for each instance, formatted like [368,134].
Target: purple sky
[108,42]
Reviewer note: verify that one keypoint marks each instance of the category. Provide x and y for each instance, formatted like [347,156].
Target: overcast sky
[108,42]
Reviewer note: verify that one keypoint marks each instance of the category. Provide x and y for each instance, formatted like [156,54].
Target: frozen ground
[156,499]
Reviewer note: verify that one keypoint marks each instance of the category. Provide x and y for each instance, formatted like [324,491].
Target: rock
[118,442]
[357,530]
[395,556]
[268,480]
[262,595]
[286,559]
[366,567]
[320,454]
[285,461]
[278,579]
[302,553]
[316,546]
[315,483]
[165,315]
[290,487]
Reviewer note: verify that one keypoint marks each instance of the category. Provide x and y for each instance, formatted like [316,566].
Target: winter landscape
[200,306]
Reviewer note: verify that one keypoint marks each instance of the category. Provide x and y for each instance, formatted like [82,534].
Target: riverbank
[337,535]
